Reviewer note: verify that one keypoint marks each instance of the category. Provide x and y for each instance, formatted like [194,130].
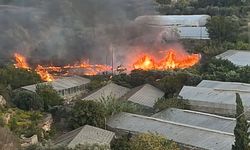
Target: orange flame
[21,61]
[173,60]
[44,74]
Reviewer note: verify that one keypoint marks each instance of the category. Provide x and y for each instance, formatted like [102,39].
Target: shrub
[149,141]
[87,112]
[163,103]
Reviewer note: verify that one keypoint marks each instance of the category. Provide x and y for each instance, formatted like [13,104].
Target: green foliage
[49,95]
[121,143]
[95,84]
[149,141]
[241,129]
[26,100]
[222,28]
[6,92]
[224,70]
[113,106]
[164,103]
[23,122]
[17,78]
[87,112]
[173,82]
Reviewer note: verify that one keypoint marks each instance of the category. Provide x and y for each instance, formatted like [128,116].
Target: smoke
[64,31]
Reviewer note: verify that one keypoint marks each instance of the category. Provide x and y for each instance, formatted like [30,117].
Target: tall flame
[172,60]
[21,61]
[44,74]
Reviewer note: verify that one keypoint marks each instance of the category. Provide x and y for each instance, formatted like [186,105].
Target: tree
[87,112]
[241,129]
[26,100]
[7,140]
[49,95]
[223,28]
[16,78]
[149,141]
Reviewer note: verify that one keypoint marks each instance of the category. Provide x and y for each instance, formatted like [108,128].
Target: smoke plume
[64,31]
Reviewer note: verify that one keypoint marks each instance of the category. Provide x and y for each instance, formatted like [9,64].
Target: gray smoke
[64,31]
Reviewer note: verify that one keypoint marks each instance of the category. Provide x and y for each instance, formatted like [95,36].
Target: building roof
[86,134]
[62,83]
[216,96]
[110,89]
[237,57]
[181,133]
[146,95]
[183,32]
[174,20]
[233,86]
[199,119]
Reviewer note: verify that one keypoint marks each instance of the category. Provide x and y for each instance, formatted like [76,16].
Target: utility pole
[112,59]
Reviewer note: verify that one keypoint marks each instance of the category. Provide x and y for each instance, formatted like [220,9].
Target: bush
[49,95]
[17,78]
[87,112]
[26,100]
[163,103]
[113,106]
[149,141]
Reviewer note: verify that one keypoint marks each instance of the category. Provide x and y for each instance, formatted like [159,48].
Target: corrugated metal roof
[198,119]
[85,135]
[185,134]
[92,135]
[216,96]
[147,95]
[237,57]
[62,83]
[234,86]
[173,20]
[111,89]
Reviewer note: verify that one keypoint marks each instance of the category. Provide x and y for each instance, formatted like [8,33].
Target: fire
[21,61]
[172,60]
[46,72]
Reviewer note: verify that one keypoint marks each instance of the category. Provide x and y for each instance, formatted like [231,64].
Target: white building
[174,20]
[217,97]
[67,87]
[186,135]
[238,57]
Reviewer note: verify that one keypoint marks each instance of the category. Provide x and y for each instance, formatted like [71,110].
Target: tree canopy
[149,141]
[241,129]
[49,95]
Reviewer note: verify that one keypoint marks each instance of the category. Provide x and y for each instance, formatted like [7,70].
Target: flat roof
[110,89]
[173,20]
[233,86]
[62,83]
[181,133]
[237,57]
[216,96]
[147,95]
[199,119]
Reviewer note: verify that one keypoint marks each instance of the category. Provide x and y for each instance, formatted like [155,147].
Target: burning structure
[67,87]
